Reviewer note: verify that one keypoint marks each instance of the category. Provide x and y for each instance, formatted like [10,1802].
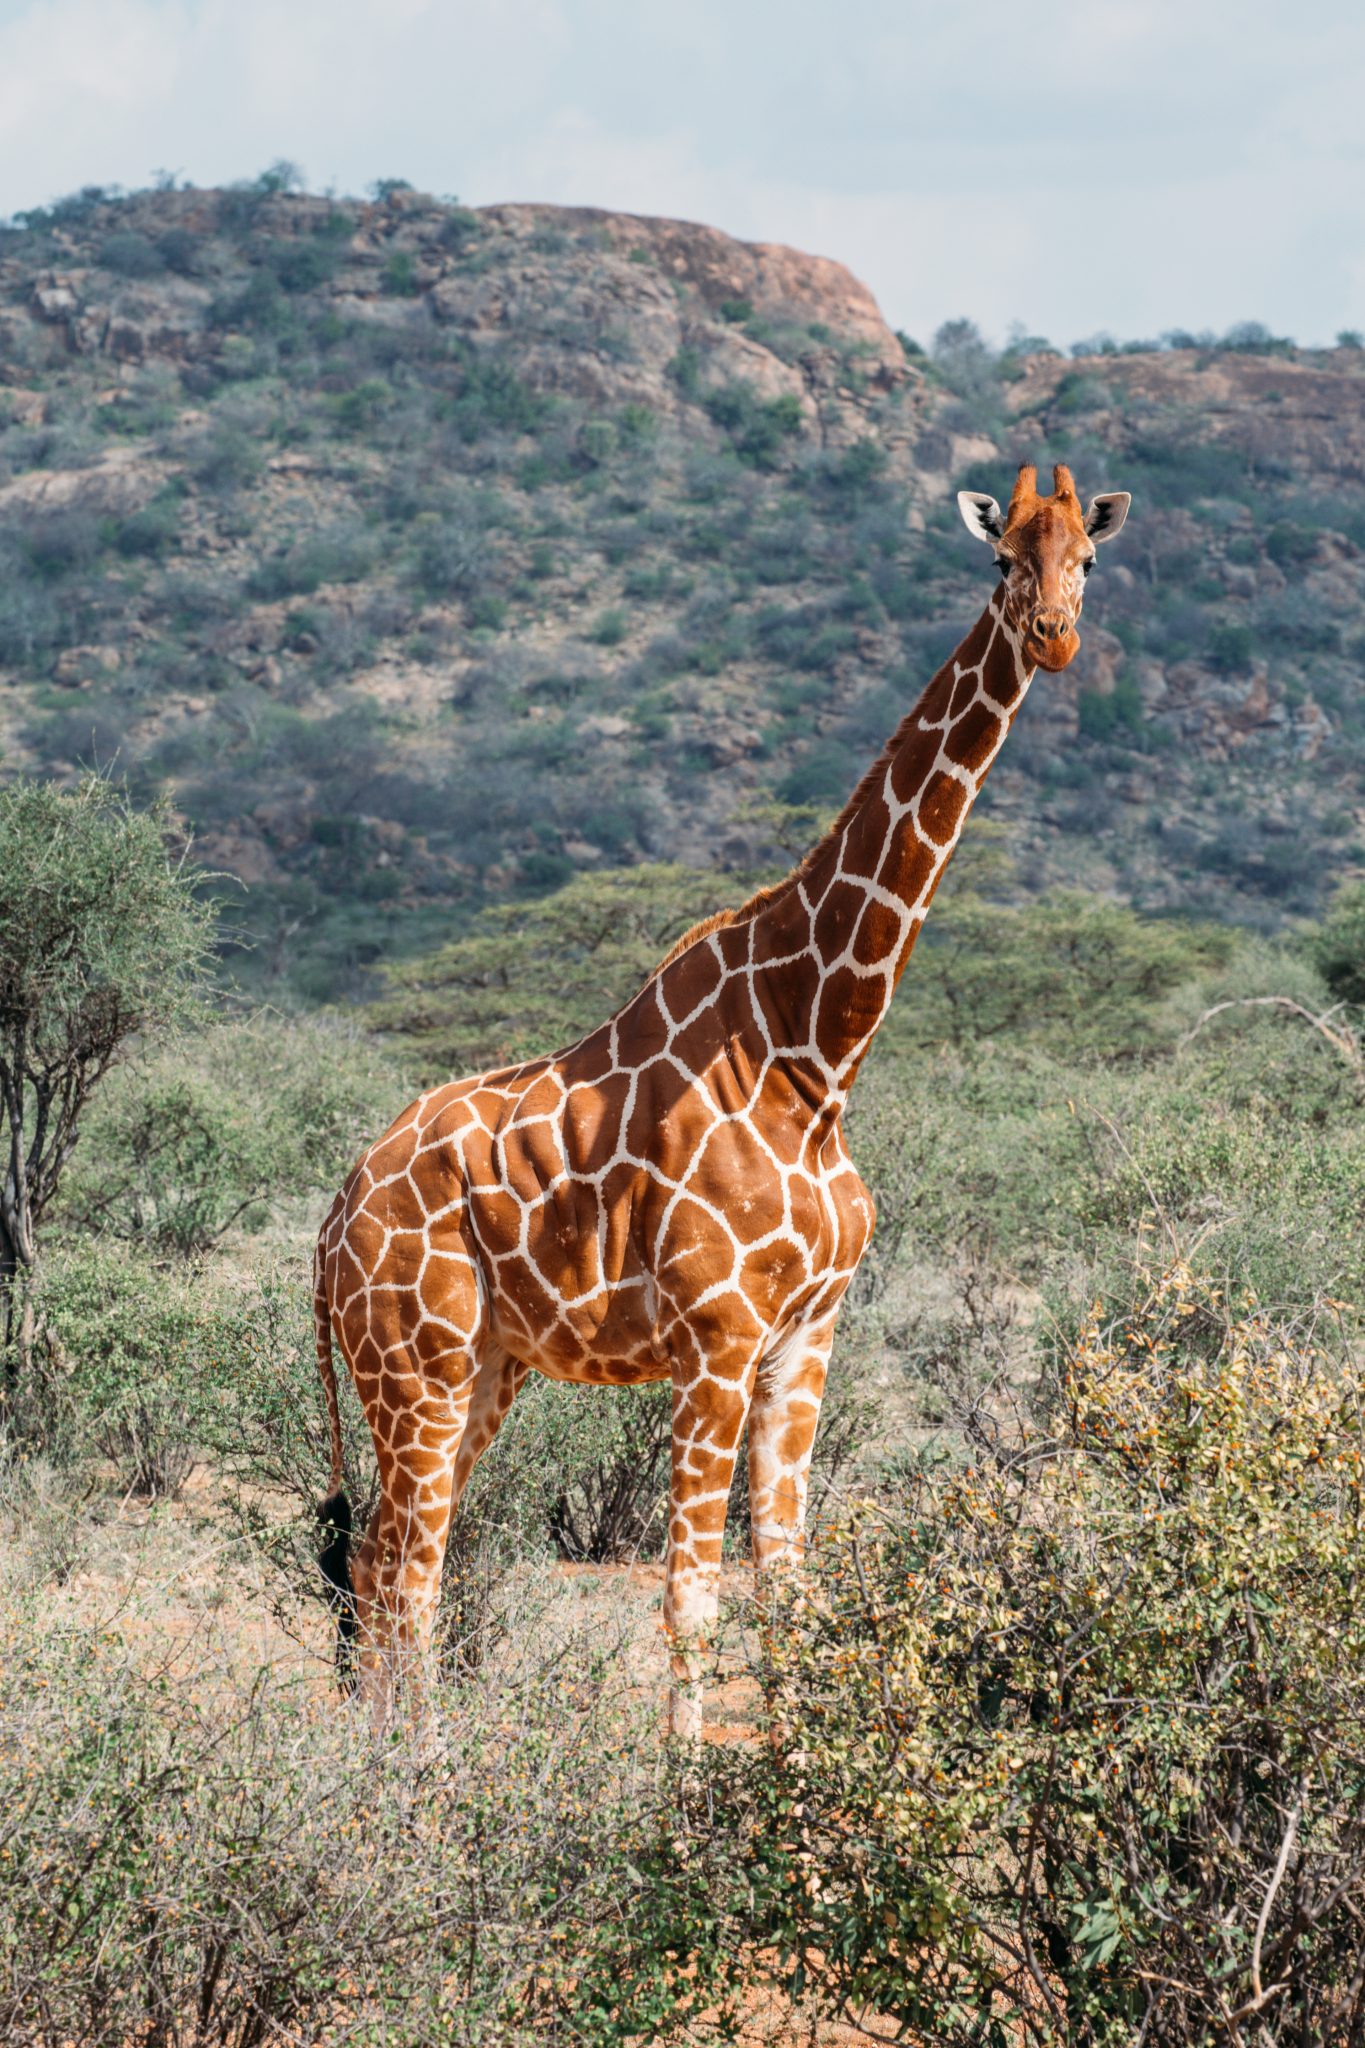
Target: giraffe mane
[774,891]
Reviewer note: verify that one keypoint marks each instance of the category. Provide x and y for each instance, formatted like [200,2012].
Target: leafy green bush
[338,555]
[126,1345]
[210,1130]
[400,275]
[494,399]
[1079,972]
[759,428]
[60,543]
[609,628]
[610,1492]
[1230,648]
[303,262]
[149,531]
[1108,715]
[101,939]
[1071,1747]
[1290,545]
[225,459]
[1339,945]
[453,556]
[131,254]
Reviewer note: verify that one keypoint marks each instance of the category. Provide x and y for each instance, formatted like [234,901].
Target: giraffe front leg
[782,1422]
[708,1421]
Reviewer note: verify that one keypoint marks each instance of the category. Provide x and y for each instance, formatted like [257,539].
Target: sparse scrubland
[1067,1729]
[478,652]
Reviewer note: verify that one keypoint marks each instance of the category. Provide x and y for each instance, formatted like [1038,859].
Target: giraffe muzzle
[1052,639]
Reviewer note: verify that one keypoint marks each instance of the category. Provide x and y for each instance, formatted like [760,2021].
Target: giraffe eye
[1086,567]
[1003,564]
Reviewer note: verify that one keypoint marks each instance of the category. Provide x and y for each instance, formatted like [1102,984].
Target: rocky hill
[429,555]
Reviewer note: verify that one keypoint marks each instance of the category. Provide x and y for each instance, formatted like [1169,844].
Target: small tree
[101,938]
[530,976]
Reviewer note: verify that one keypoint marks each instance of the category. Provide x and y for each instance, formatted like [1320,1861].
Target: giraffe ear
[981,515]
[1107,514]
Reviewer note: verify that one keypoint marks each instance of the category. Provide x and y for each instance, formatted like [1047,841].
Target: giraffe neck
[830,944]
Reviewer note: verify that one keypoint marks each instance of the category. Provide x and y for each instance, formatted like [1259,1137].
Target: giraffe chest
[600,1233]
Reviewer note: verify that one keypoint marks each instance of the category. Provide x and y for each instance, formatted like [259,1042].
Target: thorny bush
[184,1867]
[1069,1748]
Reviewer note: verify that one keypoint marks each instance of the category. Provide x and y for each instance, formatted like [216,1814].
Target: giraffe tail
[334,1513]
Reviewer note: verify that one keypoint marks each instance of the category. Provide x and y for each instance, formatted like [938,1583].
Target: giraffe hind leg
[398,1568]
[499,1381]
[414,1352]
[496,1387]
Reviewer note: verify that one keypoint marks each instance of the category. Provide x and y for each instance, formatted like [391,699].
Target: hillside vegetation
[430,557]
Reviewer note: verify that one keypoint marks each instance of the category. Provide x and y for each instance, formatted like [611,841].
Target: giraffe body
[671,1197]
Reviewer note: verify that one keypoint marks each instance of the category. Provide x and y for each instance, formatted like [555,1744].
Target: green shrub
[180,249]
[610,1499]
[460,229]
[1290,545]
[494,399]
[358,409]
[609,628]
[126,1347]
[340,554]
[1339,944]
[1065,1748]
[150,531]
[452,553]
[302,263]
[1078,971]
[101,940]
[61,543]
[1107,715]
[400,275]
[1230,648]
[211,1130]
[852,473]
[227,459]
[131,254]
[758,428]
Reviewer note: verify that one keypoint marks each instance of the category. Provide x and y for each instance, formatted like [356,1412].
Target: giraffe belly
[605,1337]
[603,1372]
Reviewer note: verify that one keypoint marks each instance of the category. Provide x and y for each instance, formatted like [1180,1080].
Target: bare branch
[1339,1036]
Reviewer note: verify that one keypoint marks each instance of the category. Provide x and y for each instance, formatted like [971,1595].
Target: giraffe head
[1044,549]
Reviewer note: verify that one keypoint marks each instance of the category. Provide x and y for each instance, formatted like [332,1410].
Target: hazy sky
[1076,165]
